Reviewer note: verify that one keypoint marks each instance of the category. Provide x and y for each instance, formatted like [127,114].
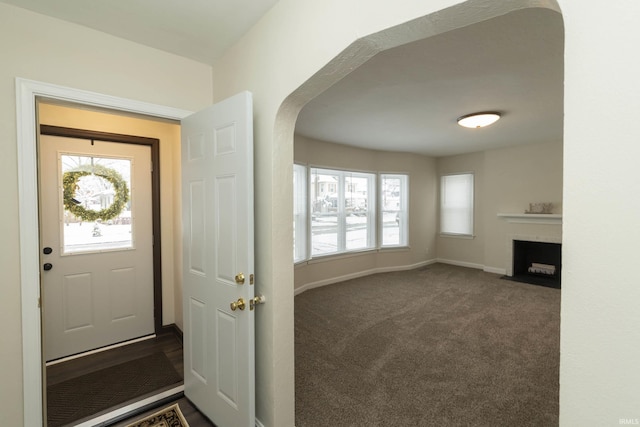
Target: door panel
[217,188]
[100,288]
[78,288]
[197,248]
[226,245]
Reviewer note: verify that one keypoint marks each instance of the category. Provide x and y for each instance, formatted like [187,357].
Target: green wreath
[70,185]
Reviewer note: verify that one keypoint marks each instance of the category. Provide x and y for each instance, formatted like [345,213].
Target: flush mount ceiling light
[479,120]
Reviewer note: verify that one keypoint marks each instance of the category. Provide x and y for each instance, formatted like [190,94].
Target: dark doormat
[89,394]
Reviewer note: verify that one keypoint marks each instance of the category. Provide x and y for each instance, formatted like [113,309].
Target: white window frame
[457,201]
[341,210]
[402,211]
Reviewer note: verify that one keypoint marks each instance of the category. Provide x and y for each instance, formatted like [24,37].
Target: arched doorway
[324,278]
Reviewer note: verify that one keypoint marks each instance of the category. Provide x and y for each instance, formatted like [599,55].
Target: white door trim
[26,93]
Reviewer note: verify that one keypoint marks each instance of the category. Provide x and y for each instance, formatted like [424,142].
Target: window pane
[324,211]
[299,212]
[343,211]
[357,212]
[456,200]
[97,215]
[324,233]
[394,209]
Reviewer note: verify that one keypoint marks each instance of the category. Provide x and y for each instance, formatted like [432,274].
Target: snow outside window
[394,190]
[342,211]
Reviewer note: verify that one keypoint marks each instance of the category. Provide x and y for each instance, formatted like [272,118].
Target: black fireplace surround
[537,263]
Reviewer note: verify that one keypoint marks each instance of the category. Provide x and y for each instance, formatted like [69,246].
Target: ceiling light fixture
[478,120]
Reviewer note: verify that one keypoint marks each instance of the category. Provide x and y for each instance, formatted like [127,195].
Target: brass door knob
[238,304]
[240,278]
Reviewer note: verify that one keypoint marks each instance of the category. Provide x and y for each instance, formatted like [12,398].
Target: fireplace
[537,263]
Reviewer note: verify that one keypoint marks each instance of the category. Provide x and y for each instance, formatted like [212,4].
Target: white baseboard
[495,270]
[332,280]
[485,268]
[460,263]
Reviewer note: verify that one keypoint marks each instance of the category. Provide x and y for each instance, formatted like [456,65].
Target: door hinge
[39,303]
[251,279]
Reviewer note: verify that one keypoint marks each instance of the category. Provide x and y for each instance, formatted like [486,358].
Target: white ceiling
[403,99]
[408,98]
[198,29]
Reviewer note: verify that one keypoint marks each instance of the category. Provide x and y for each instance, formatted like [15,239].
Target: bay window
[342,211]
[336,211]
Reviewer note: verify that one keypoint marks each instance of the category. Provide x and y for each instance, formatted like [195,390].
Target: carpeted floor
[437,346]
[91,393]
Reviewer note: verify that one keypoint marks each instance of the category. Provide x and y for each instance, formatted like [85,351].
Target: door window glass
[96,200]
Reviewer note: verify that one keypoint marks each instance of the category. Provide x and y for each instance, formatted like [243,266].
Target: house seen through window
[337,211]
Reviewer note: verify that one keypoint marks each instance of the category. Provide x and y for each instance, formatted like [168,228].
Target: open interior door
[218,261]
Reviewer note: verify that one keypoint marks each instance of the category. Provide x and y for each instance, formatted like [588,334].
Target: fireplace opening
[537,263]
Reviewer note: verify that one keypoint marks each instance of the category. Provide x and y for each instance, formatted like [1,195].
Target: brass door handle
[240,279]
[238,304]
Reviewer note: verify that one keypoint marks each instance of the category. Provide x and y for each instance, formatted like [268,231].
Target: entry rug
[168,417]
[92,393]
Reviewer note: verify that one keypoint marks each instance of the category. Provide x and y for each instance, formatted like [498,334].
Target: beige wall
[39,48]
[298,58]
[287,59]
[461,249]
[513,178]
[506,181]
[169,136]
[422,212]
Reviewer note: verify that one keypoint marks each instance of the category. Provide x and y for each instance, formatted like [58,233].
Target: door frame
[27,94]
[154,144]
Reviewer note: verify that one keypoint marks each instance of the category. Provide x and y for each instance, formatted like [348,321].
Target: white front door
[97,283]
[217,200]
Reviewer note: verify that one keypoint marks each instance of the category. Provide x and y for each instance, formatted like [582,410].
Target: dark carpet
[437,346]
[89,394]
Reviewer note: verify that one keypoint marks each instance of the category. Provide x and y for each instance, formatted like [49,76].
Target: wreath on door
[70,186]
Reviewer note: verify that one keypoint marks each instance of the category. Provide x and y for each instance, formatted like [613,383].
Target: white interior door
[217,200]
[98,274]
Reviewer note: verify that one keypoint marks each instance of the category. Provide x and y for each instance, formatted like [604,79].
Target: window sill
[395,248]
[458,236]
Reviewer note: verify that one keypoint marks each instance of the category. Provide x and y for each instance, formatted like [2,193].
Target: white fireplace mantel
[531,218]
